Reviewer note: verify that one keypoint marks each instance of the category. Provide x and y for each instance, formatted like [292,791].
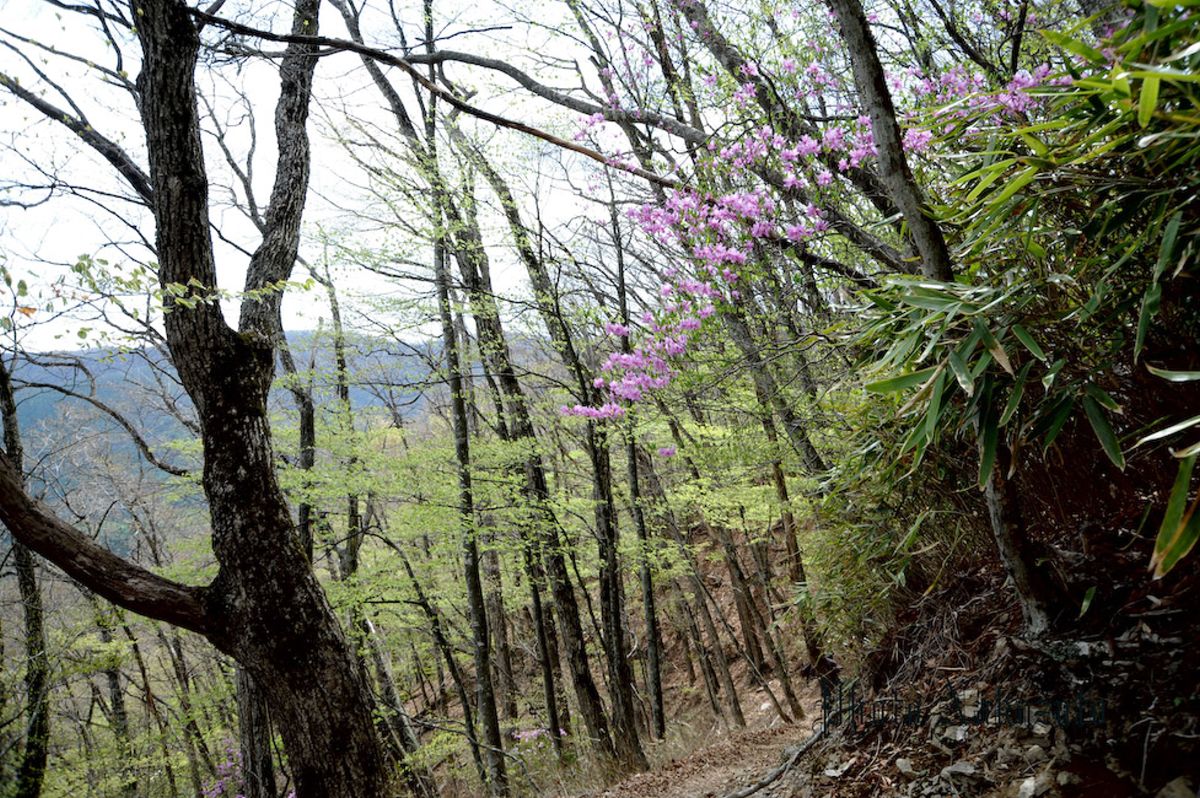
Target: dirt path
[713,770]
[719,768]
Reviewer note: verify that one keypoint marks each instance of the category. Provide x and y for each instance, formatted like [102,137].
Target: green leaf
[901,382]
[1179,531]
[1052,372]
[1104,431]
[935,406]
[1088,597]
[1057,422]
[1169,431]
[987,454]
[1166,249]
[1174,376]
[1150,304]
[1102,397]
[1014,396]
[993,173]
[1148,101]
[1073,45]
[1025,338]
[1019,182]
[961,373]
[1164,74]
[1035,144]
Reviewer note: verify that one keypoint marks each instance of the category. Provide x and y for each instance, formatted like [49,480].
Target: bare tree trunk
[711,686]
[612,608]
[447,651]
[768,388]
[493,754]
[419,779]
[894,172]
[493,344]
[151,703]
[498,624]
[700,599]
[795,559]
[118,714]
[31,770]
[658,727]
[742,599]
[1034,592]
[650,612]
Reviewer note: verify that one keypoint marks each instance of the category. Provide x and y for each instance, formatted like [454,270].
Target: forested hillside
[693,398]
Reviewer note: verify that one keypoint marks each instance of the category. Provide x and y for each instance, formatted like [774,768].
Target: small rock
[1177,788]
[1035,785]
[969,701]
[960,768]
[905,767]
[1006,754]
[955,734]
[1035,754]
[1067,778]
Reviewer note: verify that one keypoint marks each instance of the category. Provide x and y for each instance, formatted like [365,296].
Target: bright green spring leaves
[1074,224]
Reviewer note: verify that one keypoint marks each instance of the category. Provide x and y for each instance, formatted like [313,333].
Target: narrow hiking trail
[731,761]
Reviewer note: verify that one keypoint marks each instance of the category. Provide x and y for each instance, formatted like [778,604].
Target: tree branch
[137,438]
[94,566]
[448,97]
[107,148]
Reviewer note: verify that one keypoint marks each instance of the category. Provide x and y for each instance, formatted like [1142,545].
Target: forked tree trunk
[265,608]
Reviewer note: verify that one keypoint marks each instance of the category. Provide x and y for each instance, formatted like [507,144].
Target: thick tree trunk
[254,733]
[265,607]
